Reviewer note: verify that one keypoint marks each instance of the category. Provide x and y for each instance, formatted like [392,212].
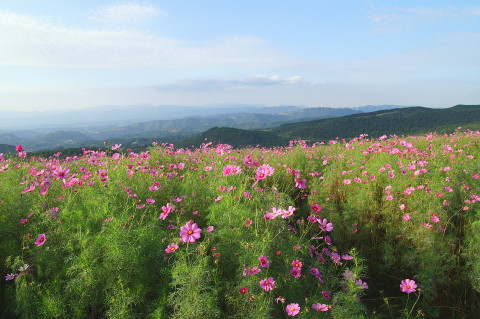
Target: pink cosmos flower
[301,183]
[325,225]
[155,187]
[243,290]
[263,171]
[297,263]
[315,208]
[288,212]
[408,286]
[116,146]
[171,248]
[166,210]
[190,233]
[320,307]
[41,240]
[19,148]
[296,272]
[264,262]
[231,170]
[292,309]
[406,217]
[210,229]
[267,284]
[252,271]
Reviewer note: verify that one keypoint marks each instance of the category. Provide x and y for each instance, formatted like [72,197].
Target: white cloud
[398,19]
[252,82]
[126,13]
[32,41]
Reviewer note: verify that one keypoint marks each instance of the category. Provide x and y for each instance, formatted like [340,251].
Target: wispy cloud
[33,41]
[398,19]
[252,82]
[126,13]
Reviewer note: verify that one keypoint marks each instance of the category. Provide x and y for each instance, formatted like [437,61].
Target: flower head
[166,210]
[320,307]
[408,286]
[292,309]
[264,262]
[325,225]
[190,233]
[297,264]
[267,284]
[171,248]
[243,290]
[41,239]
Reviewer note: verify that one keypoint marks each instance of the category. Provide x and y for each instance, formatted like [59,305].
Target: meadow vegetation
[364,228]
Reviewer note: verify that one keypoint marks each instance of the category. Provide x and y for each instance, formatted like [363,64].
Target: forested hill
[236,138]
[5,148]
[404,121]
[413,120]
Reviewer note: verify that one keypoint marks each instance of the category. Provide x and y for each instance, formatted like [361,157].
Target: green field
[329,230]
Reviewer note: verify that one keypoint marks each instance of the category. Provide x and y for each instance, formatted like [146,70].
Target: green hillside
[236,138]
[412,120]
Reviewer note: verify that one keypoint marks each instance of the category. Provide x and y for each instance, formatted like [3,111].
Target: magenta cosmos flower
[190,233]
[267,284]
[171,248]
[243,290]
[292,309]
[297,264]
[41,239]
[264,262]
[408,286]
[166,210]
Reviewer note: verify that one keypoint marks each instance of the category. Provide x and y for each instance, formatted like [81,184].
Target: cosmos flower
[190,233]
[408,286]
[41,239]
[292,309]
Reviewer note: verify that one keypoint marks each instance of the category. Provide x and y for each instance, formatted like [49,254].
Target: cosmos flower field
[364,228]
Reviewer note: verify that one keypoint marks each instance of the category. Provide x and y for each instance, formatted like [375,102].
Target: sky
[343,53]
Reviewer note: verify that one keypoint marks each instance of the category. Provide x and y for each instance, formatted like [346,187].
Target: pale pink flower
[320,307]
[292,309]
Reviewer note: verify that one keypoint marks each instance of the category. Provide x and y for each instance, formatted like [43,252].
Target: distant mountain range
[238,126]
[90,127]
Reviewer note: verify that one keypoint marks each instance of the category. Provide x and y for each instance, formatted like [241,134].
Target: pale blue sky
[342,53]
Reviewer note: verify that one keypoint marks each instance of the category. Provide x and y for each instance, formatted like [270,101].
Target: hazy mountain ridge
[288,122]
[239,117]
[404,121]
[121,115]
